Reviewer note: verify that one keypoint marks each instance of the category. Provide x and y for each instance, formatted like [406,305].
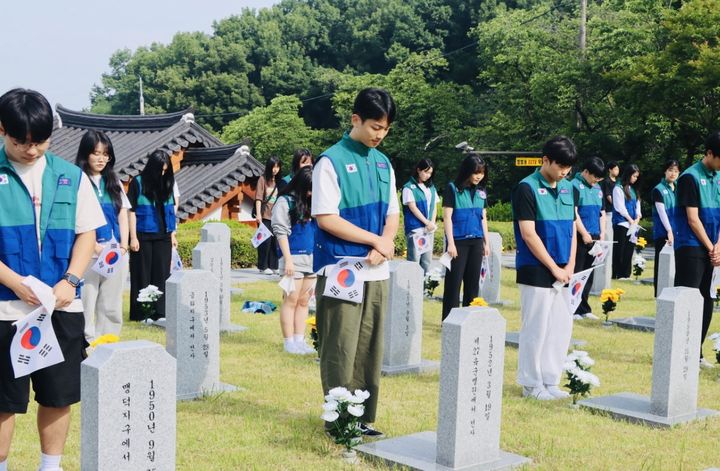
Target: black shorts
[54,386]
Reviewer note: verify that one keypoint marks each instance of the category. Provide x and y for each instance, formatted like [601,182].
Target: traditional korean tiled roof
[207,174]
[133,137]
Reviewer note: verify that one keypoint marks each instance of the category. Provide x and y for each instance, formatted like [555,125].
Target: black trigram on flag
[41,317]
[25,359]
[45,350]
[358,265]
[353,294]
[334,290]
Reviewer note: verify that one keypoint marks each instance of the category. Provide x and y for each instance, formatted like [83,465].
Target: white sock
[3,465]
[288,342]
[299,338]
[49,462]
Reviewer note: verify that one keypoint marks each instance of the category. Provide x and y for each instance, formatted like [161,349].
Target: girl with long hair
[301,158]
[101,296]
[465,221]
[154,198]
[295,232]
[419,199]
[626,214]
[663,211]
[266,193]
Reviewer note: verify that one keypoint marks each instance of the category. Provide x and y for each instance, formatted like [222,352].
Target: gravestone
[128,417]
[219,263]
[512,339]
[676,367]
[193,334]
[666,269]
[471,382]
[602,278]
[490,290]
[641,323]
[404,320]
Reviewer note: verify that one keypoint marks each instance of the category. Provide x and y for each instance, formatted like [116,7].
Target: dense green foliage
[501,75]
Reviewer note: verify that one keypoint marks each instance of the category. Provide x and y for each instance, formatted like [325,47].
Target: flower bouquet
[104,339]
[147,298]
[432,281]
[638,262]
[640,244]
[716,345]
[312,322]
[609,299]
[343,410]
[479,301]
[580,380]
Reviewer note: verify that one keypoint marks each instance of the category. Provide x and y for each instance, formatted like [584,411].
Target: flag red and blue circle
[576,288]
[31,338]
[421,242]
[112,257]
[345,278]
[259,236]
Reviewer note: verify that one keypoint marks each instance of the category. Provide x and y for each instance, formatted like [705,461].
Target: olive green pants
[351,341]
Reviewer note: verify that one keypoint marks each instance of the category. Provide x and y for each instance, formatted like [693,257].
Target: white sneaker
[577,317]
[557,392]
[304,348]
[592,316]
[268,271]
[293,349]
[706,365]
[537,393]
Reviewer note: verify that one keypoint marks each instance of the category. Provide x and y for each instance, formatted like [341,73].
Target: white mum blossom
[586,362]
[356,410]
[330,416]
[586,377]
[339,394]
[330,405]
[569,366]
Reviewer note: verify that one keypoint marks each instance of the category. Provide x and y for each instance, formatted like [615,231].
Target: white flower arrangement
[344,409]
[716,345]
[580,380]
[638,262]
[432,281]
[147,297]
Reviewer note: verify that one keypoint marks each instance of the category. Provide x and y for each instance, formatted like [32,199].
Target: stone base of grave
[636,408]
[501,302]
[418,451]
[426,366]
[512,339]
[233,328]
[641,323]
[219,388]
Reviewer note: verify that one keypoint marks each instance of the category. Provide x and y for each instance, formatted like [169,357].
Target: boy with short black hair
[697,218]
[48,217]
[544,223]
[355,204]
[590,224]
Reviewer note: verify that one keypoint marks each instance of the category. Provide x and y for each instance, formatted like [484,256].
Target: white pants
[544,336]
[102,301]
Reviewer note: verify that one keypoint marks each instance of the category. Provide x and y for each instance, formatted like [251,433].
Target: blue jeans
[425,259]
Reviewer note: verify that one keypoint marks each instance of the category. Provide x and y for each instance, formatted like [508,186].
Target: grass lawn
[274,423]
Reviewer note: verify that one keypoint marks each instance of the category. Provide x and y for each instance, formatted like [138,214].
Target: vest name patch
[381,165]
[564,191]
[4,179]
[600,194]
[482,194]
[63,181]
[703,181]
[351,168]
[542,191]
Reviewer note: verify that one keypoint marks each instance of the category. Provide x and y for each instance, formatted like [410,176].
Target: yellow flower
[478,302]
[641,242]
[619,291]
[310,321]
[103,339]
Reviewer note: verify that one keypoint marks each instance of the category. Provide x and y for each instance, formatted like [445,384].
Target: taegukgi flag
[345,281]
[261,235]
[34,346]
[422,242]
[575,288]
[108,262]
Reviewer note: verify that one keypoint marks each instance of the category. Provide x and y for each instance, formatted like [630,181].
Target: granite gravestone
[602,278]
[490,290]
[128,408]
[404,320]
[219,263]
[471,382]
[676,366]
[193,334]
[666,269]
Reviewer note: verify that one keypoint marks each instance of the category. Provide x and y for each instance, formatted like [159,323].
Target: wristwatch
[72,279]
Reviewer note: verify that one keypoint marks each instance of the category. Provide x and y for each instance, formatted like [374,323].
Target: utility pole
[142,99]
[583,47]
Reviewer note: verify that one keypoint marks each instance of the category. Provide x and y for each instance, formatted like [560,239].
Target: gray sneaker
[540,394]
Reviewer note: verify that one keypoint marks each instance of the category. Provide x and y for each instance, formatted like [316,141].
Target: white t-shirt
[125,202]
[326,193]
[88,217]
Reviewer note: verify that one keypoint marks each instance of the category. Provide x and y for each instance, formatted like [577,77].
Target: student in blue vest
[355,204]
[697,219]
[663,196]
[301,158]
[295,232]
[102,297]
[626,213]
[465,229]
[154,199]
[590,224]
[419,199]
[48,217]
[544,223]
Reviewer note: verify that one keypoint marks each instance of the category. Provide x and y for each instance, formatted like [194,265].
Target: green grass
[274,423]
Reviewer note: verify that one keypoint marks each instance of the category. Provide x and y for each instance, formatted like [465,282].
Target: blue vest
[302,236]
[426,208]
[468,213]
[708,185]
[630,206]
[668,195]
[146,216]
[555,213]
[18,237]
[590,204]
[363,175]
[112,229]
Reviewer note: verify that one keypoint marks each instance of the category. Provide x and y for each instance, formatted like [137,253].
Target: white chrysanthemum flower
[330,405]
[339,394]
[362,394]
[586,362]
[356,410]
[330,416]
[580,353]
[586,377]
[569,366]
